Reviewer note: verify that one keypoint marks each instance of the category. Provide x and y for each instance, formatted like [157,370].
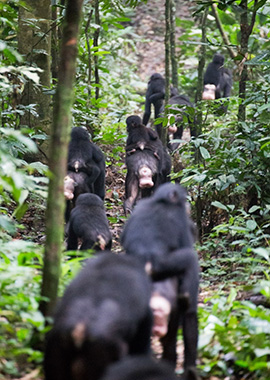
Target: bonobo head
[140,367]
[133,121]
[173,91]
[156,76]
[218,59]
[88,199]
[79,133]
[170,193]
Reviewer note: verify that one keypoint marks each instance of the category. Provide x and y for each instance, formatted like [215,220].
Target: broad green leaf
[262,252]
[251,225]
[204,152]
[219,205]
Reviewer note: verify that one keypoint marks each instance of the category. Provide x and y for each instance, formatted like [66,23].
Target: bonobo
[139,136]
[217,80]
[75,183]
[89,223]
[86,158]
[154,95]
[148,163]
[140,368]
[159,234]
[103,316]
[175,131]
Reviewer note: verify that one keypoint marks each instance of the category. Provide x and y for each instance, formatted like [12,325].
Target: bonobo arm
[227,86]
[147,110]
[92,171]
[97,154]
[72,243]
[157,96]
[152,134]
[173,264]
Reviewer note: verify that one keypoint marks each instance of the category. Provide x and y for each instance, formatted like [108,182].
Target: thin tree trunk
[167,65]
[172,43]
[222,32]
[246,30]
[55,44]
[37,50]
[198,121]
[244,51]
[89,76]
[58,158]
[198,96]
[96,36]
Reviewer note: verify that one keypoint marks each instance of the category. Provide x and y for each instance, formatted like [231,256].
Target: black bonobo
[89,223]
[217,80]
[85,168]
[159,234]
[140,368]
[154,95]
[103,316]
[175,131]
[148,163]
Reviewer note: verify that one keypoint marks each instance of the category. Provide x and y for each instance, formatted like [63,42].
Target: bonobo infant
[89,223]
[148,164]
[103,316]
[159,234]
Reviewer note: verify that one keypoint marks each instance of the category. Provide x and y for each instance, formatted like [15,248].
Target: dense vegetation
[225,169]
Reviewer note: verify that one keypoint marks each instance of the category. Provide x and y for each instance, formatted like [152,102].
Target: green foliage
[20,268]
[234,337]
[17,178]
[118,83]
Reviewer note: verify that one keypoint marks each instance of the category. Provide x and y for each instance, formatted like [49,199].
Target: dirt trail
[150,24]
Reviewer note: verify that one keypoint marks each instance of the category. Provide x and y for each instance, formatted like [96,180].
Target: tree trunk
[167,66]
[246,30]
[37,49]
[222,32]
[96,36]
[198,96]
[198,121]
[172,43]
[55,44]
[58,157]
[243,51]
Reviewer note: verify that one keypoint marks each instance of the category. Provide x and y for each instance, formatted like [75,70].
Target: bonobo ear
[177,195]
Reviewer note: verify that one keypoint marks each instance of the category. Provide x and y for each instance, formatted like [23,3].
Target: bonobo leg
[190,328]
[132,190]
[99,186]
[170,339]
[72,242]
[93,172]
[141,342]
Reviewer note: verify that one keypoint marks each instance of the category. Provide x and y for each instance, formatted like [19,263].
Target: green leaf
[253,209]
[262,252]
[251,225]
[204,152]
[219,205]
[261,352]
